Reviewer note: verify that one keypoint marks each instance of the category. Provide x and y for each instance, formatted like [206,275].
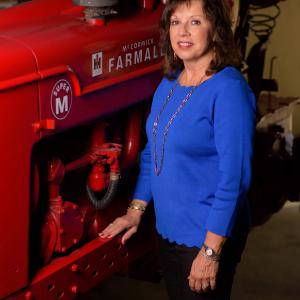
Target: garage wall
[285,44]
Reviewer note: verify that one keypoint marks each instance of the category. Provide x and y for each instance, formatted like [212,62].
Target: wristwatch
[210,253]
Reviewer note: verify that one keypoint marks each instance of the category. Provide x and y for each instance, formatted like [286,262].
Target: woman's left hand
[203,274]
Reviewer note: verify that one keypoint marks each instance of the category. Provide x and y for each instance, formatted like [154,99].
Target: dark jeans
[176,261]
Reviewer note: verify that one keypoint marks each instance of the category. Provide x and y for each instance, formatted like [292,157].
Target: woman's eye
[174,22]
[196,22]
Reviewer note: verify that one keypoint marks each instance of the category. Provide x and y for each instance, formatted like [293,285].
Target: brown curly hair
[220,39]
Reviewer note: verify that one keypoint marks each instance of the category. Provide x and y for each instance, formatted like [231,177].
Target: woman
[197,163]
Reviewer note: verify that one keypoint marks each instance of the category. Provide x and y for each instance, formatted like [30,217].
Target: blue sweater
[207,164]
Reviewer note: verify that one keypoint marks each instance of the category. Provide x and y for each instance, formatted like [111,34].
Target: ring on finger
[205,286]
[111,224]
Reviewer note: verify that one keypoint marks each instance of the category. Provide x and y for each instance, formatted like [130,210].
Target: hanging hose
[105,201]
[107,155]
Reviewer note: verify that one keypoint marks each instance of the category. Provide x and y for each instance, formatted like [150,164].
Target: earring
[174,56]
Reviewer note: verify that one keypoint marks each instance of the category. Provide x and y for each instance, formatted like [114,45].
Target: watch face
[209,252]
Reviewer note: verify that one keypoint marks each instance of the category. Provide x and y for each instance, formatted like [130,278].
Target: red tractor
[76,81]
[74,90]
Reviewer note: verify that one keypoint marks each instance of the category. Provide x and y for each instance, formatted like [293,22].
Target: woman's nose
[184,29]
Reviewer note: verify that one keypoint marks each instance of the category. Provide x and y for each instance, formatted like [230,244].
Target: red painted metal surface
[60,73]
[18,110]
[80,271]
[121,57]
[131,145]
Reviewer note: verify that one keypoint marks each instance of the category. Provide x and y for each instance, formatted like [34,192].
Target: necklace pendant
[155,124]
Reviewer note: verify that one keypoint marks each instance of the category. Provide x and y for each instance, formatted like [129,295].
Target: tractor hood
[56,34]
[18,64]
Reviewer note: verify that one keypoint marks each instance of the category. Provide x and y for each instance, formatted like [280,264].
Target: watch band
[210,253]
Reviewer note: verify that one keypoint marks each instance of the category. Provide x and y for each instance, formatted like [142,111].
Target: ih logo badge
[61,99]
[97,64]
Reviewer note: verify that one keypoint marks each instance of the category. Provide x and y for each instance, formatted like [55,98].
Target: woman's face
[189,30]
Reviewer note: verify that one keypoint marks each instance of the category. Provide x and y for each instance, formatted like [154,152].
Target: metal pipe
[132,139]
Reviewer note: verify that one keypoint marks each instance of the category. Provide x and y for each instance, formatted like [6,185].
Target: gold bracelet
[137,206]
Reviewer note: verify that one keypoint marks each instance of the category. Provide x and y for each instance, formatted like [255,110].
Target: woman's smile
[184,44]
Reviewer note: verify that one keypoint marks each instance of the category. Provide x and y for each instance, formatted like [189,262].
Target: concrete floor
[270,269]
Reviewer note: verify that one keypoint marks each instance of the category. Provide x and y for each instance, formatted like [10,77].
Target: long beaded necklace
[166,130]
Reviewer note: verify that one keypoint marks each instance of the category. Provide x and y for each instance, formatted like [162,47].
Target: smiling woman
[190,35]
[196,166]
[217,25]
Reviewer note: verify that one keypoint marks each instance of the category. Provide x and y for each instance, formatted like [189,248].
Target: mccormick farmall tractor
[75,86]
[76,81]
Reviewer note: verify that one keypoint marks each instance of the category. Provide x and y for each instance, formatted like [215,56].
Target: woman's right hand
[130,222]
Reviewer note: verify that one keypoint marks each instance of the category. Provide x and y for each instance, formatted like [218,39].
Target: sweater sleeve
[143,185]
[234,125]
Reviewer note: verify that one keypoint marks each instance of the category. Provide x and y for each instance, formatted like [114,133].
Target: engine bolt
[75,268]
[28,296]
[74,289]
